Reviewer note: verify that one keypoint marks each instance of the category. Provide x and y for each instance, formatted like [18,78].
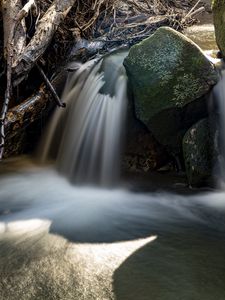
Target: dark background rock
[198,149]
[142,152]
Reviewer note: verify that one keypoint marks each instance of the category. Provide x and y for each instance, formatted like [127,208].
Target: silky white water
[218,101]
[86,137]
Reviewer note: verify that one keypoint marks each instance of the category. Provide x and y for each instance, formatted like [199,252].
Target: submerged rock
[198,153]
[167,72]
[218,7]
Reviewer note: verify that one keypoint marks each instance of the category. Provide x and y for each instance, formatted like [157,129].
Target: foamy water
[60,241]
[218,100]
[86,212]
[86,137]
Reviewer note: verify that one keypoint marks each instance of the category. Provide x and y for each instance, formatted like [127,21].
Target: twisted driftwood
[20,58]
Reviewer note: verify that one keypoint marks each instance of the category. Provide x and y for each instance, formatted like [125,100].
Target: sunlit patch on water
[33,226]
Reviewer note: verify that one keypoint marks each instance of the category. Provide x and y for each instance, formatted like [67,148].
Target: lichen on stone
[192,88]
[167,71]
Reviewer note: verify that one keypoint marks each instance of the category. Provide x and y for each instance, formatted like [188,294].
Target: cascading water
[85,139]
[218,100]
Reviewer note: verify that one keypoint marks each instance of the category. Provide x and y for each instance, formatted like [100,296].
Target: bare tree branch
[29,6]
[51,88]
[42,37]
[14,43]
[21,59]
[10,9]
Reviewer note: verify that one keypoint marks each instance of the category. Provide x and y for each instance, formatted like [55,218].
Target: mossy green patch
[167,71]
[218,7]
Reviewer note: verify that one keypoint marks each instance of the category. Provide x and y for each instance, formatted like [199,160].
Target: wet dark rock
[142,152]
[198,150]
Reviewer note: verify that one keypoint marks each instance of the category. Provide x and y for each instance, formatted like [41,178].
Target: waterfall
[218,100]
[85,139]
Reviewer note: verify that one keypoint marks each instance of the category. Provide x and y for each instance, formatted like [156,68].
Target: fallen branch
[30,6]
[192,9]
[8,94]
[51,88]
[42,37]
[20,59]
[11,9]
[14,42]
[197,12]
[21,116]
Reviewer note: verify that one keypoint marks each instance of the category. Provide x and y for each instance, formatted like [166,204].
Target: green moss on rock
[167,71]
[218,7]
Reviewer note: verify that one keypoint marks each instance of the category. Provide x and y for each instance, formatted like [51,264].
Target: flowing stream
[217,97]
[72,239]
[86,137]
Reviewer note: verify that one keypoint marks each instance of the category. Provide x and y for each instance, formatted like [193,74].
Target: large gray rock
[198,150]
[167,72]
[218,7]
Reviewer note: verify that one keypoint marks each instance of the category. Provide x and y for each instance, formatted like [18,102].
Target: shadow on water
[184,265]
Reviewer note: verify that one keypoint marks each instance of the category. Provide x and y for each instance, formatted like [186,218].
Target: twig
[193,8]
[197,12]
[29,6]
[94,18]
[51,88]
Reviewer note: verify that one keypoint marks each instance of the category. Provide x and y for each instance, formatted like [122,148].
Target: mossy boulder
[198,151]
[218,7]
[167,72]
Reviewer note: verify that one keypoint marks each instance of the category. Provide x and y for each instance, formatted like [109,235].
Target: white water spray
[85,139]
[218,99]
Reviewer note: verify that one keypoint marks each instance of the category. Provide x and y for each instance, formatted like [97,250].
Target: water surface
[59,241]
